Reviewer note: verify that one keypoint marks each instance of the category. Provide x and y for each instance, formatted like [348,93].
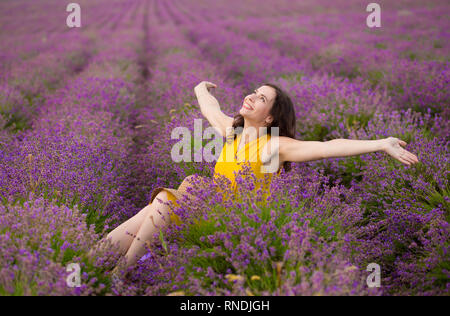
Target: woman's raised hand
[393,148]
[207,85]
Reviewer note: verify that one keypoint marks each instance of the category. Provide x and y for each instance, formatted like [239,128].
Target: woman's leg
[157,217]
[125,232]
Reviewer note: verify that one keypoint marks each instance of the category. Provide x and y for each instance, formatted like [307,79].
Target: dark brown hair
[283,114]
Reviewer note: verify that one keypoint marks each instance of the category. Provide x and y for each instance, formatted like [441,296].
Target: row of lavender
[40,54]
[68,169]
[406,56]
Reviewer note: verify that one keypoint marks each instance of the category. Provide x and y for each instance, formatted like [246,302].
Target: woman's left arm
[300,151]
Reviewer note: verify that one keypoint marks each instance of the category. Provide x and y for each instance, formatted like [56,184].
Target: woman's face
[256,106]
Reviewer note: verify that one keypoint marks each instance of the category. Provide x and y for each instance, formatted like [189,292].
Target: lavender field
[86,116]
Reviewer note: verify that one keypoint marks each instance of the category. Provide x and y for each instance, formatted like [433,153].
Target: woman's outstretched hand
[393,147]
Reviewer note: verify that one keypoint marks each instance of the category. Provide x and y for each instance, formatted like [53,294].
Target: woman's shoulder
[274,143]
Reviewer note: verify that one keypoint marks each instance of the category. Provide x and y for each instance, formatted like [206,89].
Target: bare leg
[157,217]
[123,234]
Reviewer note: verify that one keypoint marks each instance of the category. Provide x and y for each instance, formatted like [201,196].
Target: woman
[268,106]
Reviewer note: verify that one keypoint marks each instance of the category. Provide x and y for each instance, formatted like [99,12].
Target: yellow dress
[230,162]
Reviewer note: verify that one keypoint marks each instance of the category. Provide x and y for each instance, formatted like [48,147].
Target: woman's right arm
[210,107]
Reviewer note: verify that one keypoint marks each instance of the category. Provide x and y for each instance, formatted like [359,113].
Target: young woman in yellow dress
[268,106]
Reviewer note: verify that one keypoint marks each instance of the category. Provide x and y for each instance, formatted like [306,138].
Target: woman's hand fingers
[404,161]
[410,157]
[205,85]
[409,160]
[210,84]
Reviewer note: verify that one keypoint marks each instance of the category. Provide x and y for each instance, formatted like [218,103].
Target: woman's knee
[161,197]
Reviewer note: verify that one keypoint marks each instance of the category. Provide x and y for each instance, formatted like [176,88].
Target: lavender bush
[38,240]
